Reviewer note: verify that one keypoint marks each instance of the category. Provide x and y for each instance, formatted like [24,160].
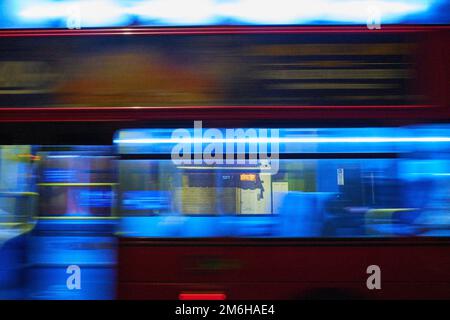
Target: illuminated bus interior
[359,182]
[333,182]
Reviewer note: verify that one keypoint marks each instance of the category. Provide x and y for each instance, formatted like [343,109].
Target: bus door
[72,248]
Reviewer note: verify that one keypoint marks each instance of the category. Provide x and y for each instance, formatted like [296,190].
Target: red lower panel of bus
[288,269]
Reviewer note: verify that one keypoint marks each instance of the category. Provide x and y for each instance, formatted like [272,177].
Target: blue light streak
[114,13]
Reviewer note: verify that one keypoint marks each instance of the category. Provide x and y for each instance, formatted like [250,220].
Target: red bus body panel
[284,269]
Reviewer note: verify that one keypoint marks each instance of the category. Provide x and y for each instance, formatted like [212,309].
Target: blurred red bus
[188,233]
